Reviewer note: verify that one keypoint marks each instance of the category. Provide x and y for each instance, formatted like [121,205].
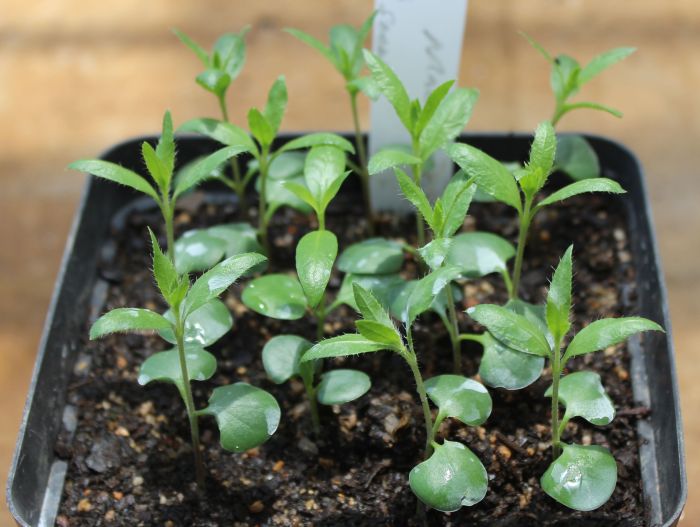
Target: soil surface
[128,450]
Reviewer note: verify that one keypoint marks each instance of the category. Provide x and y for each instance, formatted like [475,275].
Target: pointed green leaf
[276,296]
[479,253]
[449,119]
[164,366]
[318,139]
[342,346]
[602,62]
[564,77]
[127,319]
[366,85]
[372,256]
[260,128]
[582,187]
[370,307]
[379,285]
[225,133]
[426,290]
[491,176]
[206,168]
[239,238]
[558,307]
[431,104]
[247,416]
[413,193]
[202,55]
[115,173]
[390,85]
[154,165]
[203,326]
[537,46]
[197,250]
[286,165]
[459,397]
[276,104]
[583,395]
[504,367]
[324,165]
[542,150]
[230,48]
[583,478]
[163,269]
[215,281]
[435,252]
[452,477]
[342,386]
[387,158]
[301,192]
[315,255]
[214,81]
[456,199]
[281,355]
[314,43]
[512,329]
[576,158]
[377,332]
[607,332]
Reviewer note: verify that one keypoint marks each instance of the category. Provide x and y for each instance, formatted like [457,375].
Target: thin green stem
[320,312]
[412,361]
[420,224]
[238,185]
[167,209]
[559,111]
[262,202]
[556,375]
[187,396]
[313,406]
[362,155]
[473,337]
[525,219]
[453,330]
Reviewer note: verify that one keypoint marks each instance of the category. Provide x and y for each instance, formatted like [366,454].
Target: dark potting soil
[129,457]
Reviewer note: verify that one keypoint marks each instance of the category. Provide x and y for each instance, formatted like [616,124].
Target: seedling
[264,127]
[575,156]
[160,164]
[580,477]
[519,189]
[451,475]
[286,297]
[344,52]
[430,126]
[247,416]
[222,66]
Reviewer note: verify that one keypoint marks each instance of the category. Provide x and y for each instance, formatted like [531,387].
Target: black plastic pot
[36,478]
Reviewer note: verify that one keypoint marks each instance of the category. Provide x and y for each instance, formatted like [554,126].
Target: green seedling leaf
[115,173]
[366,85]
[164,366]
[601,334]
[558,306]
[431,105]
[239,238]
[163,270]
[401,292]
[456,199]
[342,386]
[324,166]
[314,43]
[491,176]
[286,165]
[165,149]
[343,40]
[584,186]
[602,62]
[392,88]
[276,296]
[215,281]
[416,196]
[564,77]
[214,81]
[281,355]
[389,158]
[514,330]
[203,326]
[370,307]
[583,478]
[576,158]
[128,319]
[504,367]
[449,119]
[380,285]
[423,295]
[318,139]
[202,55]
[230,50]
[247,416]
[225,133]
[583,395]
[537,46]
[276,104]
[302,193]
[287,192]
[315,255]
[342,346]
[452,477]
[197,250]
[372,256]
[459,397]
[154,165]
[435,252]
[479,253]
[381,334]
[261,129]
[206,168]
[544,146]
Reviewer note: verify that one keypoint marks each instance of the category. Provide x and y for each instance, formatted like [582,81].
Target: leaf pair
[265,124]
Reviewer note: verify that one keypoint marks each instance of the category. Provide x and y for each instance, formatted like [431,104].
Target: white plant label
[421,40]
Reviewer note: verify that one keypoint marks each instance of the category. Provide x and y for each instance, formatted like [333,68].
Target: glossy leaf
[558,306]
[504,367]
[449,119]
[514,330]
[323,167]
[214,81]
[315,255]
[204,325]
[247,416]
[582,478]
[286,165]
[285,192]
[318,139]
[342,386]
[377,332]
[380,286]
[127,319]
[164,366]
[239,238]
[206,168]
[372,256]
[431,104]
[230,50]
[491,176]
[479,253]
[276,296]
[584,186]
[459,397]
[400,294]
[391,87]
[281,355]
[154,165]
[452,477]
[276,104]
[215,281]
[197,250]
[435,252]
[583,395]
[341,346]
[260,128]
[389,158]
[601,334]
[576,158]
[426,290]
[223,132]
[115,173]
[602,62]
[456,199]
[370,307]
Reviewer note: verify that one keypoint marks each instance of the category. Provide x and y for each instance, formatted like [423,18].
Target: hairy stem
[362,155]
[525,219]
[238,186]
[262,202]
[187,396]
[313,405]
[453,330]
[167,209]
[556,374]
[412,360]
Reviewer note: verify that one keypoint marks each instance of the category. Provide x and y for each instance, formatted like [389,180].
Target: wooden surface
[78,76]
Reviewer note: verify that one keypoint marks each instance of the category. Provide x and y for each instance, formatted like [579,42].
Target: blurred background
[78,76]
